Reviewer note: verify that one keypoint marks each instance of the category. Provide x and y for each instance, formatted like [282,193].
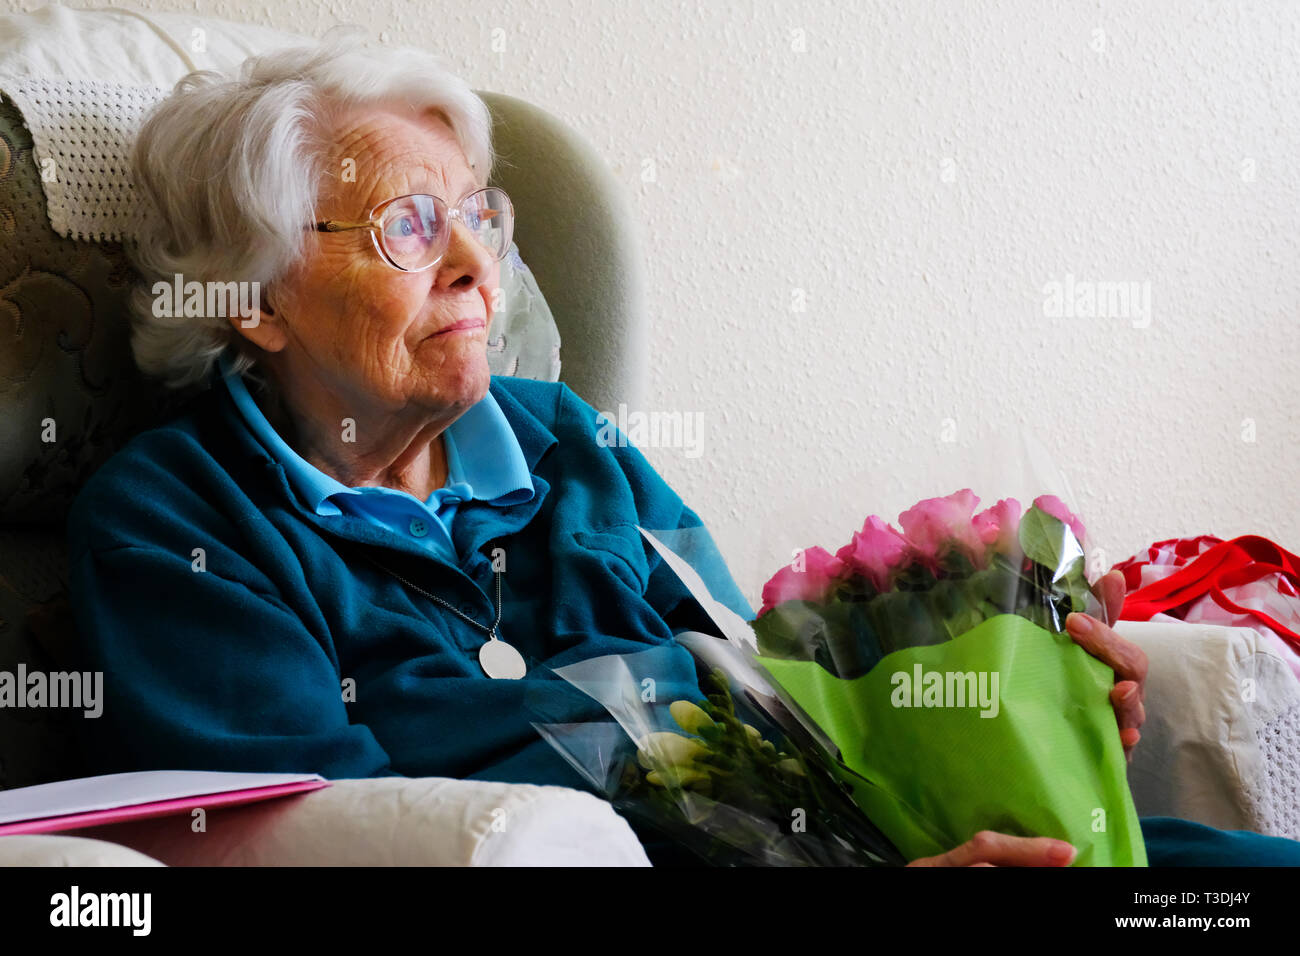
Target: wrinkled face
[362,330]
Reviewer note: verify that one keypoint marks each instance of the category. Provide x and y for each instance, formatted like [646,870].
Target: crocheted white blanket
[82,131]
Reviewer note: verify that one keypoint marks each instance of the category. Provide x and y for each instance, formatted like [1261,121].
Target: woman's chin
[461,382]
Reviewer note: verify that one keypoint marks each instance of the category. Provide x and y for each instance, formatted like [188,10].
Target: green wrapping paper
[1046,761]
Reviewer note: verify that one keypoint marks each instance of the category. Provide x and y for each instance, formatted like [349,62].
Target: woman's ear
[258,321]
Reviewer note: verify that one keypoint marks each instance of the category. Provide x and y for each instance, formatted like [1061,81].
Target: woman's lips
[464,325]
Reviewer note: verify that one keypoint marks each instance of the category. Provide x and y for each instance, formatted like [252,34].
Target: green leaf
[1075,583]
[1043,539]
[838,635]
[906,619]
[778,633]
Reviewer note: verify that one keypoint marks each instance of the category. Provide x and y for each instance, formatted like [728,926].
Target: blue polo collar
[496,471]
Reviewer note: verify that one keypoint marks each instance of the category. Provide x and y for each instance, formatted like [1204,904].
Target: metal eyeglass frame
[375,222]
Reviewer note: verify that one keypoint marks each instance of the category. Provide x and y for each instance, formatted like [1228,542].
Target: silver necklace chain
[490,631]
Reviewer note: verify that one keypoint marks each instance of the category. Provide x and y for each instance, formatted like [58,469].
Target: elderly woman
[357,553]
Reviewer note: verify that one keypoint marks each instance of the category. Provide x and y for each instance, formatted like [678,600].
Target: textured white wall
[921,170]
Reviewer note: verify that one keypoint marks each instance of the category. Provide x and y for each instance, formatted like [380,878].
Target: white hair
[228,169]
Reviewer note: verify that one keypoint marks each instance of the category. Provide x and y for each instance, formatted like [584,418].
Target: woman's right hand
[987,848]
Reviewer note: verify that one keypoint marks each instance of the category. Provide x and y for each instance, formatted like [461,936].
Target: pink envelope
[118,788]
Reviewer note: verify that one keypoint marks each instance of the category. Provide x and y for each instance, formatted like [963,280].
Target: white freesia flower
[690,717]
[666,750]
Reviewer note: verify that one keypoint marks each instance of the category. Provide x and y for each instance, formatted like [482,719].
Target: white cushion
[58,850]
[398,821]
[1219,745]
[121,46]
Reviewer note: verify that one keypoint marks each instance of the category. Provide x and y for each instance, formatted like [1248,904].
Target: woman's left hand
[1127,659]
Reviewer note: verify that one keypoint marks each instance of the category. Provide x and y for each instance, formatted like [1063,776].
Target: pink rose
[935,525]
[814,582]
[999,526]
[1056,508]
[875,552]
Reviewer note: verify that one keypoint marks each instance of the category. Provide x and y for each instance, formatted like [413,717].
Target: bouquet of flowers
[702,771]
[916,685]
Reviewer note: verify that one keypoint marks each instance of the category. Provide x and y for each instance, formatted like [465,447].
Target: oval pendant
[501,661]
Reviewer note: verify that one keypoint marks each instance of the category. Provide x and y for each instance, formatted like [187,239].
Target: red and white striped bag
[1246,582]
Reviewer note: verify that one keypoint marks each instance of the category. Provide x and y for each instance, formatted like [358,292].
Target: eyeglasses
[411,232]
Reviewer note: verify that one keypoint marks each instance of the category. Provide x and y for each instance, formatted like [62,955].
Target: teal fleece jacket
[237,630]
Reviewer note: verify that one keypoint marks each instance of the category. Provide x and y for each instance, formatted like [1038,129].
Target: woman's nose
[467,263]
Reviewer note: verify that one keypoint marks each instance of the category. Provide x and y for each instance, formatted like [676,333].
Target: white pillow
[45,849]
[122,46]
[1219,745]
[397,821]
